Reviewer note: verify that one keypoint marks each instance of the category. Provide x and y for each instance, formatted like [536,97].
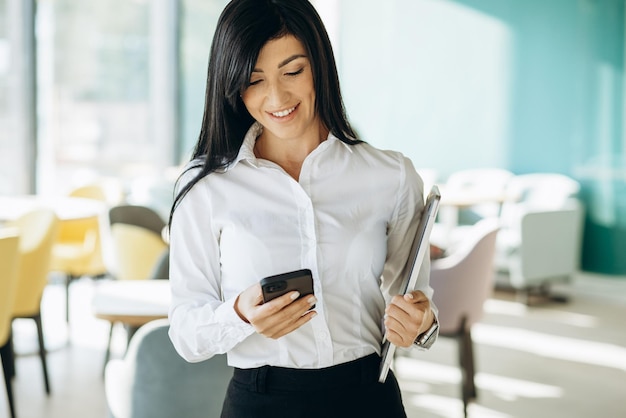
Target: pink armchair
[462,282]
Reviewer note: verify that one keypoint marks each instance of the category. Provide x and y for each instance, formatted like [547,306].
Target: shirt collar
[246,152]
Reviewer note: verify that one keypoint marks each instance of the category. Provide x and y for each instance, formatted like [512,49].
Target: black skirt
[346,390]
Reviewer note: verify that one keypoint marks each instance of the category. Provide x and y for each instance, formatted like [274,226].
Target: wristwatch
[426,339]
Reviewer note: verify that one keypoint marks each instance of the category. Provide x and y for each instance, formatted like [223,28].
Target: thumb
[253,295]
[415,296]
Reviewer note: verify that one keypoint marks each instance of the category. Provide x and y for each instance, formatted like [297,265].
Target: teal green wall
[527,85]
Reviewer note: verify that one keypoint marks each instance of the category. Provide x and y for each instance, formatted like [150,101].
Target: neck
[288,153]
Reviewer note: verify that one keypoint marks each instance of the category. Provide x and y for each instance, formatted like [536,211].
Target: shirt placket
[321,331]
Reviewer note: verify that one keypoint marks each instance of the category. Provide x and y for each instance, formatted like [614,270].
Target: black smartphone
[278,285]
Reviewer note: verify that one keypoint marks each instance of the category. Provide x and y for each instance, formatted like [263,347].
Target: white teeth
[284,113]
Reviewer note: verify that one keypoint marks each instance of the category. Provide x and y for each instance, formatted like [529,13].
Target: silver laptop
[419,249]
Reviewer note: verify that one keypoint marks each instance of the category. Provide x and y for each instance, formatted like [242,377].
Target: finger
[393,324]
[278,328]
[410,305]
[295,309]
[275,305]
[397,313]
[268,320]
[398,334]
[257,297]
[398,340]
[289,304]
[405,311]
[248,301]
[402,324]
[285,327]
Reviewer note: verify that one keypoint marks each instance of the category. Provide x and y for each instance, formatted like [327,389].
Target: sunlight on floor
[562,348]
[452,408]
[413,370]
[517,309]
[512,389]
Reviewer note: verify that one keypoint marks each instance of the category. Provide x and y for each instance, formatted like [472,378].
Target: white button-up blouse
[350,219]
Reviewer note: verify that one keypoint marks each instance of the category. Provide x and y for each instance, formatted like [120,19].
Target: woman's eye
[295,73]
[254,82]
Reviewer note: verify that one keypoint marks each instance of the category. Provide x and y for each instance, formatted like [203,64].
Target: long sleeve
[201,323]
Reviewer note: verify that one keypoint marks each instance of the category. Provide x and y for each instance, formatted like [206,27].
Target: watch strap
[426,339]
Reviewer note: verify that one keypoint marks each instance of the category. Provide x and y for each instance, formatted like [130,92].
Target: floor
[550,360]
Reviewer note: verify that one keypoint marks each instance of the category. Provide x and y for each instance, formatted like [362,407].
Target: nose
[276,94]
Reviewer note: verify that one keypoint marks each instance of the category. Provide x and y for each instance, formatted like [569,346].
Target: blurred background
[116,88]
[112,91]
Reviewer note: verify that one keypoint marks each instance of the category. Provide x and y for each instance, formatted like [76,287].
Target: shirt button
[322,335]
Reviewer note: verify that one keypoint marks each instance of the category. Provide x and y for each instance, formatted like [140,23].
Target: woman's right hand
[277,317]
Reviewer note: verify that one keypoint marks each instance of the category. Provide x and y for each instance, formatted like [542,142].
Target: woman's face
[281,94]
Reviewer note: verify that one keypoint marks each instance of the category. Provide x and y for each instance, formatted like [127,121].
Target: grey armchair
[153,381]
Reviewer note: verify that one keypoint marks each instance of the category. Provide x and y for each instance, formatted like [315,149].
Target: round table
[130,302]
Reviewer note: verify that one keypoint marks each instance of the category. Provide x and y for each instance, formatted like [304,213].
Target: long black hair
[242,30]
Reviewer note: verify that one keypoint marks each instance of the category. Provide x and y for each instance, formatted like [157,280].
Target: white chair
[462,282]
[479,182]
[540,240]
[153,381]
[468,196]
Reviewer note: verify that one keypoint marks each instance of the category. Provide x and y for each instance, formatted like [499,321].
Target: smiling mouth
[283,113]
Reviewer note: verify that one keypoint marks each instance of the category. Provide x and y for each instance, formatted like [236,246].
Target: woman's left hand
[406,317]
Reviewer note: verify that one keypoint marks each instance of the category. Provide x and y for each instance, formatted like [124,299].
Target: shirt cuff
[227,314]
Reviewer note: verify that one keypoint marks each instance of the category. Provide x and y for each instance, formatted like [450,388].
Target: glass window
[5,145]
[198,21]
[93,75]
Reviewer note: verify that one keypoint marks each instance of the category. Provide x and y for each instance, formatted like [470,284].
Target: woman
[278,182]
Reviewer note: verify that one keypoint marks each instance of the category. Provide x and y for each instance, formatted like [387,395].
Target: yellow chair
[9,259]
[137,251]
[106,189]
[77,251]
[89,191]
[140,254]
[38,230]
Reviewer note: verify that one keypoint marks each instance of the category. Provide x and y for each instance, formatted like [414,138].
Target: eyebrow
[283,62]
